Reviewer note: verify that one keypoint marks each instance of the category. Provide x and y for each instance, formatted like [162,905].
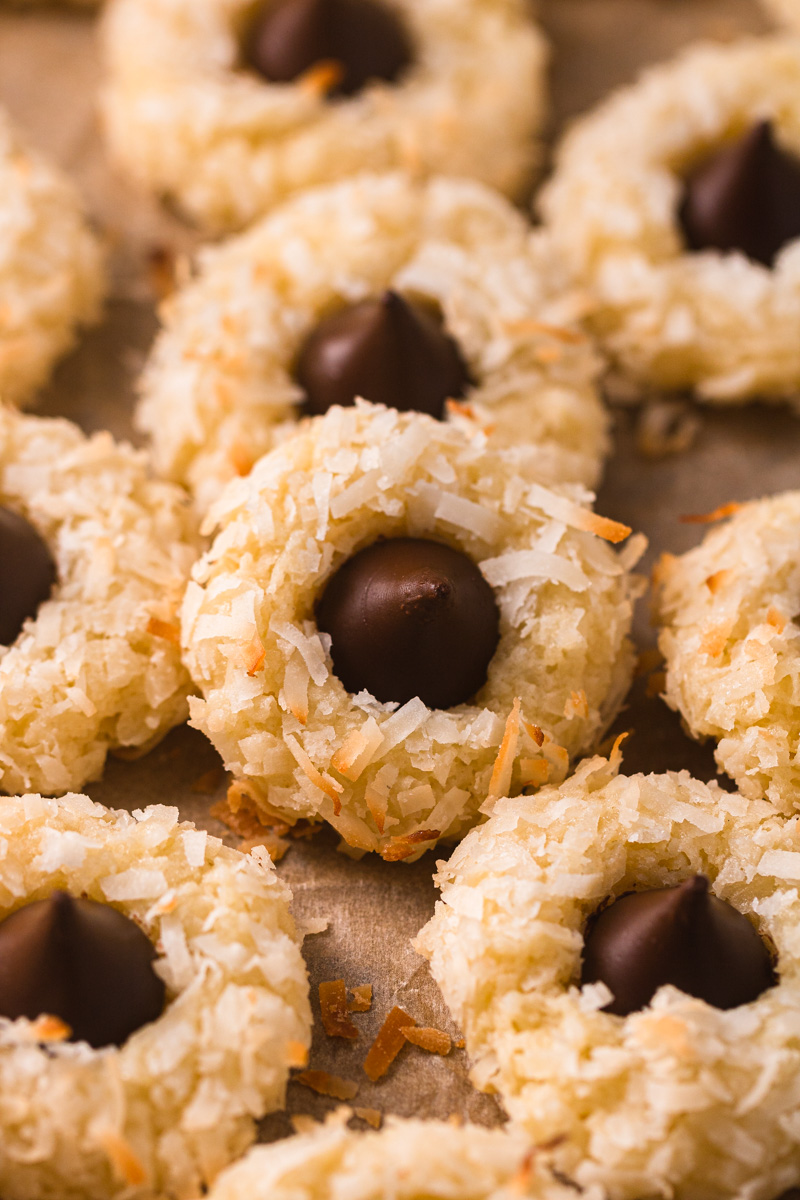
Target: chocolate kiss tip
[744,197]
[389,350]
[683,936]
[410,617]
[83,962]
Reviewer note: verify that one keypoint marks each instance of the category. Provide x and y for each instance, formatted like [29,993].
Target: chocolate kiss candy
[364,37]
[83,962]
[410,617]
[746,197]
[680,935]
[28,570]
[389,351]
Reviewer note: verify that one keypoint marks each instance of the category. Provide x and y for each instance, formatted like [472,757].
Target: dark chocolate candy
[745,197]
[410,617]
[28,570]
[684,936]
[390,350]
[83,962]
[365,38]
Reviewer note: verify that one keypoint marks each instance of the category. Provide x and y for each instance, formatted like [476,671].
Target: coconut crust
[52,275]
[715,322]
[732,647]
[185,120]
[99,666]
[406,1160]
[681,1098]
[397,781]
[218,392]
[163,1114]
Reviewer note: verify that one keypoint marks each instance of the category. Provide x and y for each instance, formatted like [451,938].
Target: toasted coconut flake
[719,514]
[167,630]
[331,787]
[361,998]
[253,655]
[563,509]
[328,1085]
[534,733]
[322,78]
[404,847]
[240,459]
[435,1041]
[662,569]
[714,640]
[371,1115]
[615,757]
[333,1010]
[718,580]
[125,1163]
[387,1045]
[534,772]
[456,408]
[520,1184]
[296,1054]
[776,619]
[500,782]
[358,750]
[50,1029]
[577,705]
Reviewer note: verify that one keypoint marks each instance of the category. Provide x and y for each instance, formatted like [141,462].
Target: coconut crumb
[719,514]
[253,656]
[296,1054]
[334,1008]
[500,782]
[534,733]
[167,630]
[331,787]
[435,1041]
[404,847]
[387,1045]
[325,1084]
[371,1115]
[361,998]
[666,428]
[50,1029]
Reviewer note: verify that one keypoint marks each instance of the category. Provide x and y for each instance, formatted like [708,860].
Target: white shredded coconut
[681,1098]
[406,1160]
[51,267]
[564,630]
[164,1113]
[716,322]
[732,645]
[99,667]
[184,119]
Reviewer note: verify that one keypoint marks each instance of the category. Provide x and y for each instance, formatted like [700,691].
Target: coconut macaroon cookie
[622,954]
[729,635]
[51,267]
[677,206]
[393,621]
[406,1160]
[96,556]
[152,999]
[229,106]
[411,294]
